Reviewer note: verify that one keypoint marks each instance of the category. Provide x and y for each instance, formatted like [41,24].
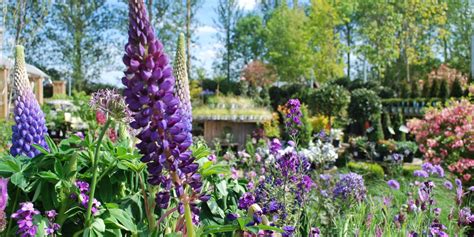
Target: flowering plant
[446,136]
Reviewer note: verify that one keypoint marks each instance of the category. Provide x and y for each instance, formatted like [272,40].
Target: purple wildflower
[24,217]
[448,185]
[275,146]
[437,230]
[458,182]
[158,113]
[465,217]
[393,184]
[437,211]
[471,189]
[52,227]
[111,104]
[293,116]
[350,186]
[439,170]
[288,231]
[315,232]
[84,196]
[421,173]
[232,216]
[246,201]
[29,125]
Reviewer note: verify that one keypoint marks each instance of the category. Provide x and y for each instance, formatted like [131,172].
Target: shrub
[415,91]
[408,169]
[365,105]
[272,127]
[447,136]
[434,90]
[330,100]
[368,170]
[443,90]
[456,90]
[319,123]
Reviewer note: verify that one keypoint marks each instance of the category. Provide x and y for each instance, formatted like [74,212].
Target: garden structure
[35,75]
[232,120]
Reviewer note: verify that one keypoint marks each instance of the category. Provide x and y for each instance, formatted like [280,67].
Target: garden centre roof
[235,109]
[32,70]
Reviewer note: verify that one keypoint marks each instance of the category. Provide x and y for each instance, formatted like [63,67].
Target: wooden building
[230,124]
[36,76]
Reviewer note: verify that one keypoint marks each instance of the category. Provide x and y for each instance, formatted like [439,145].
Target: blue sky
[205,49]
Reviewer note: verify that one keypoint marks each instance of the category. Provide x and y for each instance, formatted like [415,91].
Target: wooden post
[38,88]
[59,88]
[3,93]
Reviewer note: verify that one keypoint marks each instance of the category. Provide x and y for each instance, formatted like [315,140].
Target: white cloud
[206,29]
[247,4]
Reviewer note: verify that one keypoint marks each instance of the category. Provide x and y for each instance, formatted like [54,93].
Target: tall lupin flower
[157,112]
[30,125]
[182,82]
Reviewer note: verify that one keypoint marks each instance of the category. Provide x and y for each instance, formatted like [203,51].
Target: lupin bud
[29,125]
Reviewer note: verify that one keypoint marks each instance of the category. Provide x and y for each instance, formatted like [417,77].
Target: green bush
[444,90]
[365,105]
[456,90]
[368,170]
[434,90]
[330,100]
[408,169]
[415,91]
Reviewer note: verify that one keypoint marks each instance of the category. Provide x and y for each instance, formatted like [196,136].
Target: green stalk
[189,220]
[70,168]
[95,165]
[13,210]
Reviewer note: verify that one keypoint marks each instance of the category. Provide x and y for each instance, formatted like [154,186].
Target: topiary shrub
[434,90]
[365,105]
[368,170]
[443,90]
[415,91]
[456,90]
[330,100]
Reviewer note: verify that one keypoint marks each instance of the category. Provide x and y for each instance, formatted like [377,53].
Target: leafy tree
[259,74]
[456,90]
[287,43]
[248,39]
[76,39]
[323,19]
[364,106]
[330,100]
[228,13]
[456,40]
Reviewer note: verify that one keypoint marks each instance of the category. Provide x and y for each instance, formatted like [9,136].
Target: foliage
[368,170]
[365,105]
[320,123]
[271,127]
[445,135]
[331,101]
[323,19]
[444,90]
[286,40]
[5,135]
[456,89]
[248,39]
[229,14]
[258,74]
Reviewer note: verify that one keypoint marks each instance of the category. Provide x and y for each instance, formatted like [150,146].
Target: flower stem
[189,220]
[13,210]
[149,214]
[95,164]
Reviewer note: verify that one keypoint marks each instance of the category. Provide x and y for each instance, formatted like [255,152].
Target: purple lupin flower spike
[164,128]
[30,125]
